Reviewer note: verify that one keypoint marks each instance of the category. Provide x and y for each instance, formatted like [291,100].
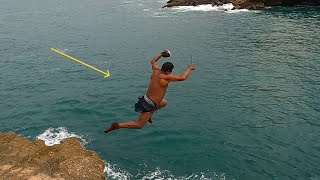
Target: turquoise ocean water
[250,110]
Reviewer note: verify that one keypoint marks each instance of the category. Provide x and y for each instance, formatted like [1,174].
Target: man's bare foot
[113,126]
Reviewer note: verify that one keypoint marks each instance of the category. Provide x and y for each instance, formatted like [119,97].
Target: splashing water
[54,136]
[113,171]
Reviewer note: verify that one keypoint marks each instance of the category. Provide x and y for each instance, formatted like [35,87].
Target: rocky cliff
[21,159]
[244,4]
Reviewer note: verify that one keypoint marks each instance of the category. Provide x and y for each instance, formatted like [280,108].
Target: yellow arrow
[107,74]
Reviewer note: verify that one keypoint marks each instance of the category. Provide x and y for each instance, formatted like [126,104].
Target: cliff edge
[21,158]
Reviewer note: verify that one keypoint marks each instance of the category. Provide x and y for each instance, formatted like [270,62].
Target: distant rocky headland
[244,4]
[21,158]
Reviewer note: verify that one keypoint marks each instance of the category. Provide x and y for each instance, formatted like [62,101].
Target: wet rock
[219,2]
[252,5]
[21,158]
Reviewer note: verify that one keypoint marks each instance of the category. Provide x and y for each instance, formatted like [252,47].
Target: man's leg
[143,119]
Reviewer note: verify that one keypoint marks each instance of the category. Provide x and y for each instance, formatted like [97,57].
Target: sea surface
[250,110]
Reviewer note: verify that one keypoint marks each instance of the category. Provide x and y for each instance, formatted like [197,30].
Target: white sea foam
[115,172]
[239,10]
[207,7]
[53,136]
[166,174]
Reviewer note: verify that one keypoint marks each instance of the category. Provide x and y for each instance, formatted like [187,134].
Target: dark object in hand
[166,53]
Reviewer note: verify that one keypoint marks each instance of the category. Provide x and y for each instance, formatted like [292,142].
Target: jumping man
[154,98]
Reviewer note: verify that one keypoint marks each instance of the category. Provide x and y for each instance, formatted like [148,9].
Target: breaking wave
[113,171]
[54,136]
[208,7]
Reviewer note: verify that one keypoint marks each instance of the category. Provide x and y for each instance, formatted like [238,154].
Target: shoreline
[243,4]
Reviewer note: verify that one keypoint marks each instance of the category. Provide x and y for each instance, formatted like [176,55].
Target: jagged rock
[252,5]
[219,2]
[21,159]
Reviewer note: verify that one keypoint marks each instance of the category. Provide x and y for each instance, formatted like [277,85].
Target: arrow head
[107,74]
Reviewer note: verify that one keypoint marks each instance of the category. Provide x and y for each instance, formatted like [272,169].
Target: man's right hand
[191,67]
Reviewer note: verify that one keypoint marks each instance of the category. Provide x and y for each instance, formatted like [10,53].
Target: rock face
[33,160]
[244,4]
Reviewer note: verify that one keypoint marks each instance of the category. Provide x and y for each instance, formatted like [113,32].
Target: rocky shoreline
[244,4]
[21,158]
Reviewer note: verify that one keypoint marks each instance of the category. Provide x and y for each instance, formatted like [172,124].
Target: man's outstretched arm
[181,77]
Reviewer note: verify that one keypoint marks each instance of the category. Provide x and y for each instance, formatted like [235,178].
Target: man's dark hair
[167,66]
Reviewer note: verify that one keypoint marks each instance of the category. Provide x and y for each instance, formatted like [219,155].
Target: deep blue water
[250,110]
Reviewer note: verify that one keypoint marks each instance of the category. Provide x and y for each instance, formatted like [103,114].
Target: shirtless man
[154,98]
